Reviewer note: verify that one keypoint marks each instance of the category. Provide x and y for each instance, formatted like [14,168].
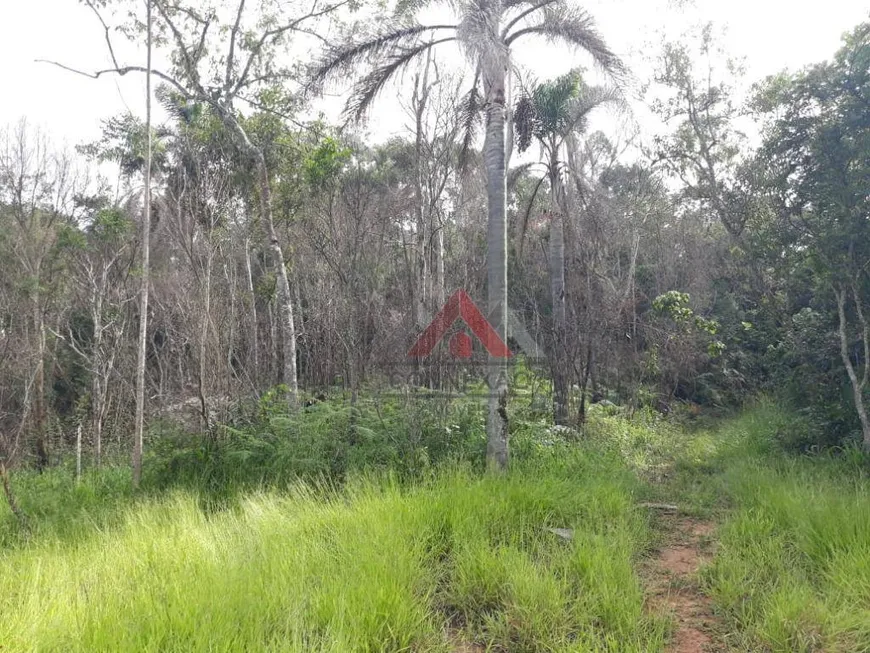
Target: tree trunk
[203,337]
[421,97]
[285,304]
[857,384]
[97,397]
[496,241]
[273,340]
[39,385]
[557,292]
[138,434]
[78,453]
[440,279]
[97,411]
[232,374]
[255,339]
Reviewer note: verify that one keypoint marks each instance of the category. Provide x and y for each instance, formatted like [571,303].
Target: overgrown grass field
[374,566]
[792,572]
[442,557]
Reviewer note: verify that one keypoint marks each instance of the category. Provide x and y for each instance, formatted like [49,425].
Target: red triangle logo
[459,305]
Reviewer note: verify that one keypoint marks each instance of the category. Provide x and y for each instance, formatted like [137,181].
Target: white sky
[770,34]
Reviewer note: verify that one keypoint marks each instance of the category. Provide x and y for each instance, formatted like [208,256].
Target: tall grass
[56,506]
[376,566]
[407,548]
[792,569]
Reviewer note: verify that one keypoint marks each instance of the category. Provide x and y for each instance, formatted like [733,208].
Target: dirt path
[672,584]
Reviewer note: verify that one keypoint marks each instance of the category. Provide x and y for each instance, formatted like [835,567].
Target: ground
[671,579]
[644,536]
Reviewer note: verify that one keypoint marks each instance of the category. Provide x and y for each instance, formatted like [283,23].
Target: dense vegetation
[703,270]
[452,558]
[686,312]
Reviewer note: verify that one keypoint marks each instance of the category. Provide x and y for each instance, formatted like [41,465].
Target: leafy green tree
[817,151]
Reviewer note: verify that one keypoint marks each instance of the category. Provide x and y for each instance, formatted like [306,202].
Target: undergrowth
[376,566]
[792,572]
[373,528]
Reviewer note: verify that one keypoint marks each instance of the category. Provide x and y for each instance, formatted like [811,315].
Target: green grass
[375,566]
[792,567]
[58,507]
[424,555]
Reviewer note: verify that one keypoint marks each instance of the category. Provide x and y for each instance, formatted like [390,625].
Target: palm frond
[178,107]
[515,173]
[368,88]
[470,119]
[551,103]
[587,100]
[527,7]
[575,27]
[345,58]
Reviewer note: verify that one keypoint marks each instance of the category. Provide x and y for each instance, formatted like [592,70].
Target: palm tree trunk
[557,291]
[496,241]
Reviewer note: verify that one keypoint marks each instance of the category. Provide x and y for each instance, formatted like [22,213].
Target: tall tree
[485,30]
[220,63]
[694,83]
[554,114]
[139,425]
[817,154]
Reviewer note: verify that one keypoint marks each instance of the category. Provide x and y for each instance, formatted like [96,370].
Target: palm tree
[485,30]
[554,114]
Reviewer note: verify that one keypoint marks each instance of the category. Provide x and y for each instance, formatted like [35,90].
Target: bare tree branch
[190,68]
[234,33]
[123,70]
[277,32]
[106,30]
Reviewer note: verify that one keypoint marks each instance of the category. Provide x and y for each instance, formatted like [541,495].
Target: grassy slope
[373,567]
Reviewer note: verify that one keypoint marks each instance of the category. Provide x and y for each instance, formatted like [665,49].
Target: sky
[770,34]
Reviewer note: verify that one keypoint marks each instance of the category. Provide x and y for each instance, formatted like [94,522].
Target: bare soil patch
[672,584]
